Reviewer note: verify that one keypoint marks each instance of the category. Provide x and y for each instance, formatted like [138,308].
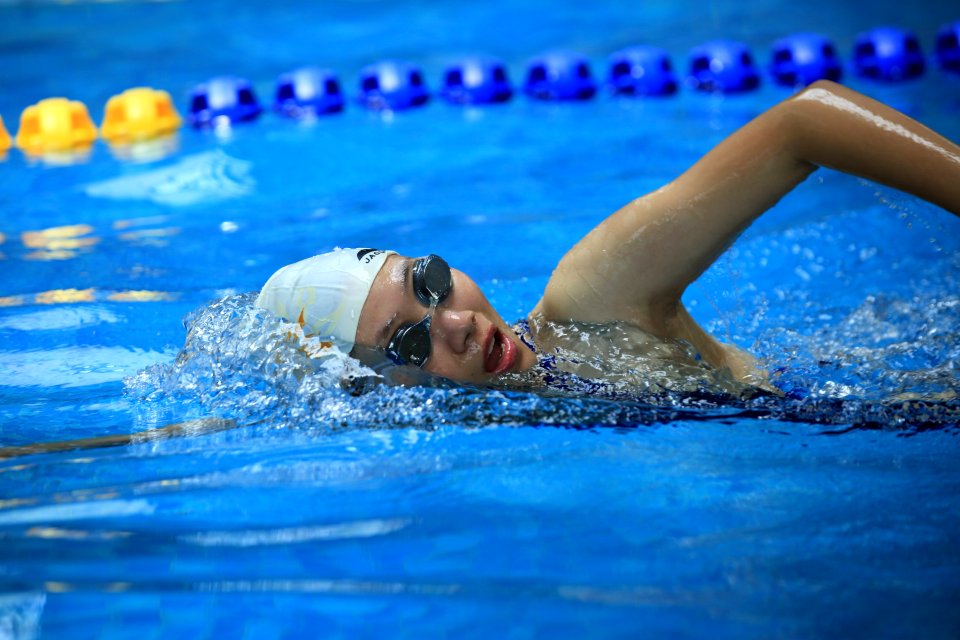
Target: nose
[453,328]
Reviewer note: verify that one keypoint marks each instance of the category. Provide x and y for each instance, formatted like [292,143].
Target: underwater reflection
[144,151]
[60,158]
[58,243]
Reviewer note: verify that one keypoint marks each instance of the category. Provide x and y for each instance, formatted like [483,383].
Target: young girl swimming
[632,269]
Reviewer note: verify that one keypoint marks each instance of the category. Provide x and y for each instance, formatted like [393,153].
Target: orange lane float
[4,138]
[138,114]
[55,124]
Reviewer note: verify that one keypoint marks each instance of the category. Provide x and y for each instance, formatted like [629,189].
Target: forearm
[835,127]
[689,223]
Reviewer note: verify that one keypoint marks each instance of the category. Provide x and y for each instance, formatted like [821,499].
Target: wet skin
[470,341]
[635,265]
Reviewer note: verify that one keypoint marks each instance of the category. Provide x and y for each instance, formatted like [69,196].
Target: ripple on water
[57,367]
[202,177]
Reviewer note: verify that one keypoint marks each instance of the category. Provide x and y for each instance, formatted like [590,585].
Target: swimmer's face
[470,342]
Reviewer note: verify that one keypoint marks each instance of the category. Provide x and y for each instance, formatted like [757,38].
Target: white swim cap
[325,293]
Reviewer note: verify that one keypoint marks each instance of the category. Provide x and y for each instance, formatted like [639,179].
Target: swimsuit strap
[551,375]
[522,329]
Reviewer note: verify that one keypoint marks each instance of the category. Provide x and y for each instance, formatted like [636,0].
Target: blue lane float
[476,81]
[723,66]
[561,75]
[308,92]
[888,54]
[223,100]
[948,47]
[804,58]
[641,71]
[392,85]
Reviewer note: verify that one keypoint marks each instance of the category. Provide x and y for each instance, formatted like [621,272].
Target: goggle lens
[432,281]
[411,344]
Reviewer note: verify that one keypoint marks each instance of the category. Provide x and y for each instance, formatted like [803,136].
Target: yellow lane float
[4,140]
[139,113]
[55,124]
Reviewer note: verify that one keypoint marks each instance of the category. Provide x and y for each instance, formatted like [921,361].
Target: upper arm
[635,265]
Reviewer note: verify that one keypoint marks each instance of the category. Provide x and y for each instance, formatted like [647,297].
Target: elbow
[822,85]
[811,100]
[808,119]
[813,97]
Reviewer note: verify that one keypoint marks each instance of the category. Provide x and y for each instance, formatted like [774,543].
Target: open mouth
[499,352]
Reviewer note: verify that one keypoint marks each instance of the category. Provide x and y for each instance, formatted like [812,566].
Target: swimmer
[632,269]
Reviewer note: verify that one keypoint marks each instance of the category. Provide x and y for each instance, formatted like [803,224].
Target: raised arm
[637,263]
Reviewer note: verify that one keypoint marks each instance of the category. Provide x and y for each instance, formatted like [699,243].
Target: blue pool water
[441,511]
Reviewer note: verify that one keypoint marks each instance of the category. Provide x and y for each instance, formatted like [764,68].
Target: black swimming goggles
[432,282]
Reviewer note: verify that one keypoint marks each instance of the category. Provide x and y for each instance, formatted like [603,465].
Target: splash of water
[243,363]
[885,349]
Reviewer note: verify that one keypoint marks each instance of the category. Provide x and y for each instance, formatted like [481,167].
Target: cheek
[467,296]
[443,363]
